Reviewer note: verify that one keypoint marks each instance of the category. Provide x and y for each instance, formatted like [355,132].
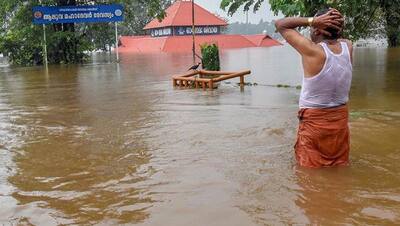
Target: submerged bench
[207,79]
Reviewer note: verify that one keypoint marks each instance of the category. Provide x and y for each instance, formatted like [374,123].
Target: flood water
[107,144]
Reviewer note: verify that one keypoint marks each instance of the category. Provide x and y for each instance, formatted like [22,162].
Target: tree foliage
[210,55]
[67,43]
[364,18]
[391,10]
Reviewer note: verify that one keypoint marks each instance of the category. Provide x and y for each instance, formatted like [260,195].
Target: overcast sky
[264,13]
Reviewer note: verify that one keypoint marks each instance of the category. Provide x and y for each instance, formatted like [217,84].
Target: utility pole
[193,35]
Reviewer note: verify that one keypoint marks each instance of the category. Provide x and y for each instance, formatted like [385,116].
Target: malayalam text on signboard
[78,14]
[181,31]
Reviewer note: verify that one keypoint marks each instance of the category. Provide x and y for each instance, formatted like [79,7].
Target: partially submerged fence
[207,79]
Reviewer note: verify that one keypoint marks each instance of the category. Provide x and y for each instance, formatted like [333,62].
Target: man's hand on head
[332,19]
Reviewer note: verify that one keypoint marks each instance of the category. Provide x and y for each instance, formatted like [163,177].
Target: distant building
[174,33]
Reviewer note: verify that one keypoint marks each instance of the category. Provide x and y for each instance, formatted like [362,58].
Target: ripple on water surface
[106,144]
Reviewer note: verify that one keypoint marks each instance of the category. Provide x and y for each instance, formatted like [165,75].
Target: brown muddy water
[107,144]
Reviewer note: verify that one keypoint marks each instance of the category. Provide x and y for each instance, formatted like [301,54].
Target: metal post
[247,22]
[45,46]
[116,41]
[193,35]
[45,42]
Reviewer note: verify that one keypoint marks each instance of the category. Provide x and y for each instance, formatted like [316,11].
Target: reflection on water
[116,144]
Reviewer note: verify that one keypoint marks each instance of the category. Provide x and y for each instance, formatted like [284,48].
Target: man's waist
[303,103]
[336,113]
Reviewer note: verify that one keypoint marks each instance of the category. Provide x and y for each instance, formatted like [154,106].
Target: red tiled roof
[262,40]
[268,41]
[180,14]
[144,44]
[256,39]
[179,44]
[183,44]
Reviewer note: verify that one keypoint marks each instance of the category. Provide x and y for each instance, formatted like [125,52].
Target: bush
[210,55]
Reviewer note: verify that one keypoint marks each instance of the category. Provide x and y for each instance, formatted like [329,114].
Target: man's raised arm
[287,28]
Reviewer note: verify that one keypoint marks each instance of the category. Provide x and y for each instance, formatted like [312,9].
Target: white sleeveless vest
[331,87]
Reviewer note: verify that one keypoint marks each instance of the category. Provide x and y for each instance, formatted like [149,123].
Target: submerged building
[174,33]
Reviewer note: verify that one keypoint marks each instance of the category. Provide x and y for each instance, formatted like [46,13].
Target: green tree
[67,43]
[363,17]
[391,9]
[210,55]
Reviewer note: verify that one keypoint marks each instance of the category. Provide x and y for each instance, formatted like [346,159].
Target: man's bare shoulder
[349,42]
[350,45]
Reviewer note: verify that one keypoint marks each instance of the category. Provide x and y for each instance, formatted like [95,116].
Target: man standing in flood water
[323,138]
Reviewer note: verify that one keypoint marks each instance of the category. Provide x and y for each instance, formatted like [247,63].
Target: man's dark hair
[336,34]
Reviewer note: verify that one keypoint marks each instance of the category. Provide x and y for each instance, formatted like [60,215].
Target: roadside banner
[78,14]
